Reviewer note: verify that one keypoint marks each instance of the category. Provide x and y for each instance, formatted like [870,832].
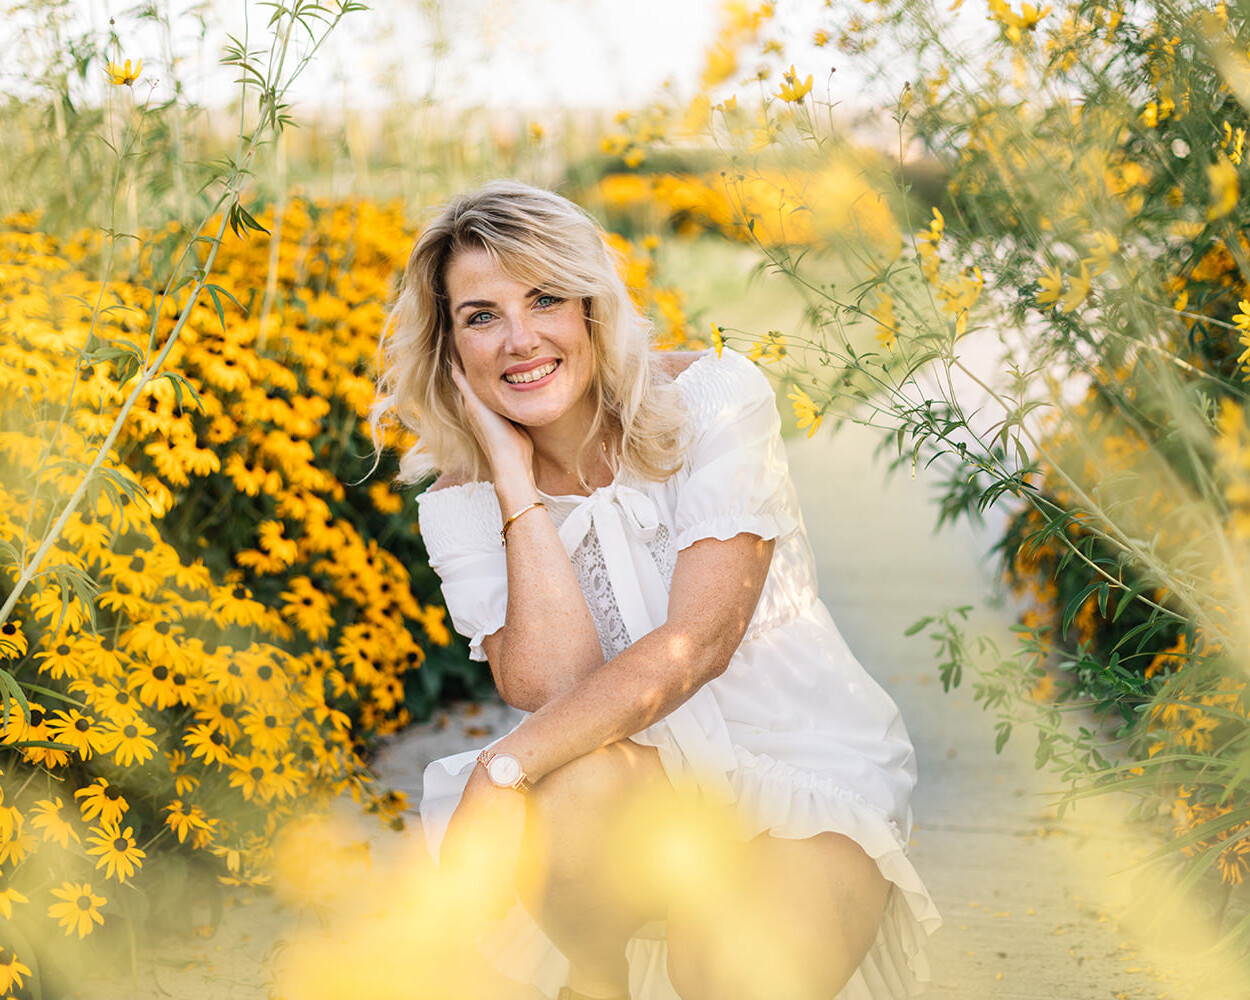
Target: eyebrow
[488,304]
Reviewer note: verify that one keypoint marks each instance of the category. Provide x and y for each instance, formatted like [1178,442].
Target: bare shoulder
[673,363]
[445,481]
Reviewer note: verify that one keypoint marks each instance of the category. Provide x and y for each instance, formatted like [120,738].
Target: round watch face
[504,769]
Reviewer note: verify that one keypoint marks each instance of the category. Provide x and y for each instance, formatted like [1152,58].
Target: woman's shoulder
[713,382]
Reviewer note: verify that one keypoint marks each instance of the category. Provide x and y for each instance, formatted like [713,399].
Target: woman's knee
[577,812]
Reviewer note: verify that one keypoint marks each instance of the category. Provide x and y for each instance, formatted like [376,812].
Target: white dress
[795,734]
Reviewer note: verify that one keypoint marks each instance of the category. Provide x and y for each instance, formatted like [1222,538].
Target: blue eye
[546,301]
[478,318]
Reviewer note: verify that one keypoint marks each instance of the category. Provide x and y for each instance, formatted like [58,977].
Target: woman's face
[525,352]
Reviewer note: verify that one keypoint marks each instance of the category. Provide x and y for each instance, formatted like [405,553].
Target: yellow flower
[718,338]
[791,90]
[771,348]
[887,328]
[123,75]
[11,972]
[120,855]
[1242,322]
[1077,290]
[1052,287]
[7,898]
[55,827]
[805,410]
[1225,187]
[80,909]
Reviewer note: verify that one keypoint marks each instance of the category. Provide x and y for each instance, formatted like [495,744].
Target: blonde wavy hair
[545,241]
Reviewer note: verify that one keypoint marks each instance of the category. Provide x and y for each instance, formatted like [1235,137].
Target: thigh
[790,918]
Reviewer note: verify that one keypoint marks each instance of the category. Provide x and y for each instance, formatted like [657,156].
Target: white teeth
[533,375]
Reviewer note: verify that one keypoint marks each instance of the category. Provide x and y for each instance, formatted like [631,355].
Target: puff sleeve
[735,477]
[460,526]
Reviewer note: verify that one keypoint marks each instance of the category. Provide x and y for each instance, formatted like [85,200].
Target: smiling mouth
[533,375]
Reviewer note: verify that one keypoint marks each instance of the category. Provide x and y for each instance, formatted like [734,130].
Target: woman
[617,536]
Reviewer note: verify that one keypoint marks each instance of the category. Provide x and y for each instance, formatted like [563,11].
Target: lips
[531,374]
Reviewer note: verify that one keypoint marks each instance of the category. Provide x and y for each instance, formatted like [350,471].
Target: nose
[523,339]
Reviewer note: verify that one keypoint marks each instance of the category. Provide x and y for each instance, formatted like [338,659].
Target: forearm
[716,586]
[628,693]
[549,641]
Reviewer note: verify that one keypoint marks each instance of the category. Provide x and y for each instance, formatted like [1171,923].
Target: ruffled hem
[726,526]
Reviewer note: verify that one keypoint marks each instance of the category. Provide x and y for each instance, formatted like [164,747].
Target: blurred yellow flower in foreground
[123,75]
[1224,187]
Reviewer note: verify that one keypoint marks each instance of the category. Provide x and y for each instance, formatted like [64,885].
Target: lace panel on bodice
[592,575]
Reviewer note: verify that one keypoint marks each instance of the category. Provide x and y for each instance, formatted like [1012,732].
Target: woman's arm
[548,641]
[716,586]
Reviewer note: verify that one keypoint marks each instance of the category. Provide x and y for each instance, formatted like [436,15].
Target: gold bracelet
[503,532]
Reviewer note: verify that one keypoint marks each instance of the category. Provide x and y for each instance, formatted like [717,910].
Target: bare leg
[583,883]
[789,918]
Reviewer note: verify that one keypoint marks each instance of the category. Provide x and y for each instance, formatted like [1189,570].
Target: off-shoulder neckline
[474,484]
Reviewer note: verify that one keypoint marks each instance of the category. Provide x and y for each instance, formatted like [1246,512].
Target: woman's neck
[559,460]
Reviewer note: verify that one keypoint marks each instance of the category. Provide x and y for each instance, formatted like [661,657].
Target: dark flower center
[36,717]
[9,628]
[62,650]
[82,725]
[111,793]
[84,902]
[137,564]
[257,773]
[234,670]
[121,845]
[130,732]
[227,710]
[271,722]
[239,593]
[217,739]
[160,673]
[6,956]
[180,678]
[264,672]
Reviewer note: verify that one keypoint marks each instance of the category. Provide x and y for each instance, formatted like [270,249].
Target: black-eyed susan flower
[13,642]
[77,730]
[61,656]
[100,799]
[18,846]
[54,826]
[153,684]
[79,909]
[265,725]
[252,774]
[184,819]
[116,849]
[208,743]
[308,608]
[129,742]
[11,972]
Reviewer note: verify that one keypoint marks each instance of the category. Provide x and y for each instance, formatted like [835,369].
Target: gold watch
[504,770]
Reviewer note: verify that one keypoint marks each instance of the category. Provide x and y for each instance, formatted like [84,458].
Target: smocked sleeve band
[460,526]
[736,466]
